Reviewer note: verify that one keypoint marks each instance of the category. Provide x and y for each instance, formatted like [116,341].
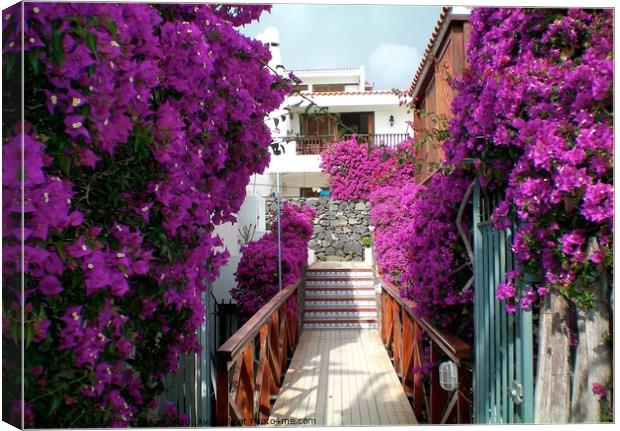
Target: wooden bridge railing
[403,334]
[250,366]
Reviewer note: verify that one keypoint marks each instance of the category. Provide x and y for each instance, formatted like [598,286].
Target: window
[300,87]
[308,192]
[316,124]
[327,88]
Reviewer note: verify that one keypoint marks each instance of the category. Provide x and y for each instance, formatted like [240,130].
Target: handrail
[251,364]
[234,345]
[453,346]
[403,335]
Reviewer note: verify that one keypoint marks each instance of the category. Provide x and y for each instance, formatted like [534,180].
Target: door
[503,370]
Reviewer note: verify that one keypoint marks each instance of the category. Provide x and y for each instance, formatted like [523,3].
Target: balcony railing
[315,144]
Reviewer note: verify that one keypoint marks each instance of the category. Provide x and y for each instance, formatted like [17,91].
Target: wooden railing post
[223,389]
[464,404]
[418,390]
[263,380]
[401,332]
[245,390]
[397,344]
[408,353]
[439,396]
[274,360]
[246,382]
[383,299]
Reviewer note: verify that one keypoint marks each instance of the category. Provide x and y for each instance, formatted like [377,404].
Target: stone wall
[339,227]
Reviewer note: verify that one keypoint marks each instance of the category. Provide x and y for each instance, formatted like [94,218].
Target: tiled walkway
[342,377]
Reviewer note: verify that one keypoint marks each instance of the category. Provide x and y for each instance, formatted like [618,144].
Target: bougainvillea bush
[437,272]
[356,168]
[391,209]
[257,272]
[535,112]
[143,124]
[416,241]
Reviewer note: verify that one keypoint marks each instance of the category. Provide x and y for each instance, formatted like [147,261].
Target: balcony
[315,144]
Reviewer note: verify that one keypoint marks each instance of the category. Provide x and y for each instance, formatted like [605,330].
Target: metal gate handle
[515,392]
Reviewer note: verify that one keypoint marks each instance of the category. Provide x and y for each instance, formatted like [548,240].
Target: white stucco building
[344,102]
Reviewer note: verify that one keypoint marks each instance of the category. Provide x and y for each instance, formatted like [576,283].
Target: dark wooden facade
[444,58]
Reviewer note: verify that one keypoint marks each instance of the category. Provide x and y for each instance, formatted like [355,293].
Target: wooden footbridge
[321,352]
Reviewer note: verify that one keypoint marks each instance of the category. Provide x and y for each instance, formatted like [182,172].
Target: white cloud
[392,65]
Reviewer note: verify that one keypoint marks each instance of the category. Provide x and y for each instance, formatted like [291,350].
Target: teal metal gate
[503,373]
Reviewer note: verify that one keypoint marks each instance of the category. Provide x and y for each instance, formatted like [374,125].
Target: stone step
[340,314]
[340,283]
[339,303]
[358,324]
[339,293]
[338,274]
[365,270]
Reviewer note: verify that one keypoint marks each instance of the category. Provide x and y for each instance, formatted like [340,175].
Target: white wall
[292,182]
[382,123]
[252,212]
[345,76]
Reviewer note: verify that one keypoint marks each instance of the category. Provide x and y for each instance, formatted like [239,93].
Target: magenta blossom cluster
[392,206]
[535,112]
[143,126]
[356,168]
[435,250]
[257,272]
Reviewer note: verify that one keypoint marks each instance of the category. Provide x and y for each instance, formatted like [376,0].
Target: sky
[388,40]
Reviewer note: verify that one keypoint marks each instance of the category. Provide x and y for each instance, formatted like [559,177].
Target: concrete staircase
[339,297]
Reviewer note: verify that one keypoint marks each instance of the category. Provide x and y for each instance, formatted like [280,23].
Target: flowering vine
[257,272]
[535,113]
[143,126]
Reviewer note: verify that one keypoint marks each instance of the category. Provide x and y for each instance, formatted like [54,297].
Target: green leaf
[55,404]
[60,249]
[63,164]
[28,334]
[16,333]
[91,42]
[33,61]
[80,31]
[66,374]
[57,50]
[9,64]
[93,21]
[110,25]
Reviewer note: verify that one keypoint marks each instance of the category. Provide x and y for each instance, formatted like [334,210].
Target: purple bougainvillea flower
[125,348]
[40,330]
[96,272]
[505,291]
[76,127]
[572,244]
[598,202]
[79,249]
[599,389]
[50,285]
[19,408]
[88,158]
